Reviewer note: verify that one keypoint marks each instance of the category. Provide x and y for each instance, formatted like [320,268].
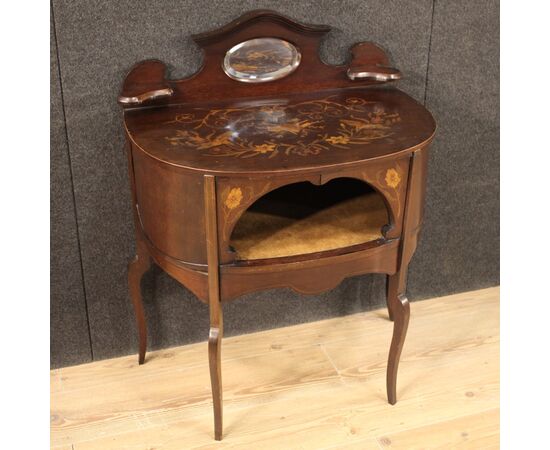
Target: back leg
[136,269]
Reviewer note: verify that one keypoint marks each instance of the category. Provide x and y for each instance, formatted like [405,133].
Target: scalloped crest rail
[323,164]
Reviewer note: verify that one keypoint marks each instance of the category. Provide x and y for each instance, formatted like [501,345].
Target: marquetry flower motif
[337,139]
[234,198]
[268,131]
[293,126]
[392,178]
[264,148]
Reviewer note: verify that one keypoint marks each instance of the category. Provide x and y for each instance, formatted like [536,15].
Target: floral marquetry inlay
[270,130]
[392,178]
[234,198]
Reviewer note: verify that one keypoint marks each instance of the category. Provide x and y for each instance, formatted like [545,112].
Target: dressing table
[269,168]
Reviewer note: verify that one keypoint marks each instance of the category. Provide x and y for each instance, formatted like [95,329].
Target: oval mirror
[262,59]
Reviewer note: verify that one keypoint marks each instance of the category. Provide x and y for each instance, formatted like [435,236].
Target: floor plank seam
[331,361]
[144,415]
[232,402]
[351,318]
[205,363]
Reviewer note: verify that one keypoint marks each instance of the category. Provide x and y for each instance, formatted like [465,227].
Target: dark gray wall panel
[98,43]
[69,337]
[460,246]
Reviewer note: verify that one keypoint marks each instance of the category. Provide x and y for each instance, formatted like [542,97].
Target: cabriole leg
[214,303]
[214,358]
[392,282]
[401,313]
[136,270]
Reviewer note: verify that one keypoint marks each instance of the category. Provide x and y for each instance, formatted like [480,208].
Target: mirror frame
[245,77]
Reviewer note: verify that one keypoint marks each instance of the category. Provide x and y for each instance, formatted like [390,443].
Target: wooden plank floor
[313,386]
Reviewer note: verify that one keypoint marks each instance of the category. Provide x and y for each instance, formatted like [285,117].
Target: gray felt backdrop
[449,54]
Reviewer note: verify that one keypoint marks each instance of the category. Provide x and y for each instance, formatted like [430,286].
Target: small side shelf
[301,218]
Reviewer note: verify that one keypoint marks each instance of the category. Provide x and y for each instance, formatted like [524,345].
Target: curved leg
[214,303]
[136,270]
[401,312]
[392,282]
[214,359]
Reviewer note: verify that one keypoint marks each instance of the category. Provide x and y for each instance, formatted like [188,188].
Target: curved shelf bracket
[370,62]
[145,83]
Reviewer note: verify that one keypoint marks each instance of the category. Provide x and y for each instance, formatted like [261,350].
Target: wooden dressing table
[269,168]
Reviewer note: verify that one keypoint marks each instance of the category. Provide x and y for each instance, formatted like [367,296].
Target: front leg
[401,314]
[136,269]
[214,302]
[399,311]
[214,359]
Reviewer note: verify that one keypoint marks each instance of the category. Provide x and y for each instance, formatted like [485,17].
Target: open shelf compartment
[302,218]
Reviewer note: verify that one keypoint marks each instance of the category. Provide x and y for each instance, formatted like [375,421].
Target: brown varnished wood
[136,269]
[298,133]
[416,191]
[139,265]
[145,83]
[312,75]
[236,194]
[401,314]
[398,304]
[163,191]
[415,204]
[214,303]
[193,276]
[389,177]
[308,277]
[370,62]
[203,150]
[260,15]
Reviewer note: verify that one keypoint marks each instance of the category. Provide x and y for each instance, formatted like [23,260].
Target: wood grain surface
[311,386]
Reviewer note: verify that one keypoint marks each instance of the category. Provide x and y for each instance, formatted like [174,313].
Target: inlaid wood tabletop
[297,132]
